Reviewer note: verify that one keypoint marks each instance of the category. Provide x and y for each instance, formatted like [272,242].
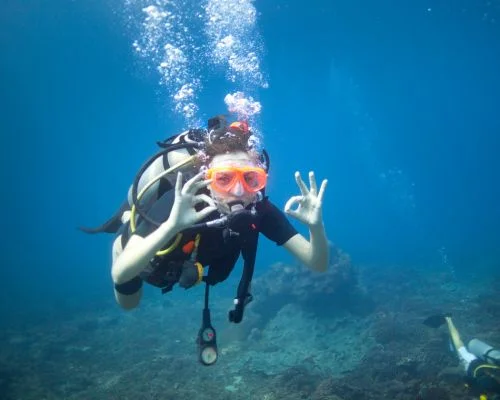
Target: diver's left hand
[309,203]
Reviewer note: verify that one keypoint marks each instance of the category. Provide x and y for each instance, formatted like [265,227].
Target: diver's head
[237,180]
[234,166]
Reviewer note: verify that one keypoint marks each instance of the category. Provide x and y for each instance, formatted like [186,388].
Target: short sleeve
[274,224]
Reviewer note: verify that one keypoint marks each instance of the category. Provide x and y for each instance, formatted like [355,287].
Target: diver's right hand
[183,214]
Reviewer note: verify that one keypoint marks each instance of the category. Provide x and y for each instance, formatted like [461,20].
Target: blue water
[396,103]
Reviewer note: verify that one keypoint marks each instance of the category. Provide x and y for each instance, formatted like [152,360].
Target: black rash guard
[216,252]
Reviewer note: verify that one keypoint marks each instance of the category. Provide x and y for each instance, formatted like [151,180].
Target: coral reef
[348,334]
[337,289]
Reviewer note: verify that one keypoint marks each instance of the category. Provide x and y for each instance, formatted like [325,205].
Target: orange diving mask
[224,179]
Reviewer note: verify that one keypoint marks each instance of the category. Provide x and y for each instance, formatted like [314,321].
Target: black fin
[111,225]
[435,321]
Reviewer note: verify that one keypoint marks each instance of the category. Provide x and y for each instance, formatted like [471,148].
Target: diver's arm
[128,301]
[313,253]
[133,295]
[139,251]
[130,298]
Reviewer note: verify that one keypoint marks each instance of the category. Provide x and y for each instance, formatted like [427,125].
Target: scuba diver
[200,203]
[481,362]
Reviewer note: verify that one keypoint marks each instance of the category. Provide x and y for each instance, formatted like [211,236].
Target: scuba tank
[157,177]
[484,351]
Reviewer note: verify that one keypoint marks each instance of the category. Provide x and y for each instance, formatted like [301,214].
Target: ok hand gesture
[183,213]
[309,202]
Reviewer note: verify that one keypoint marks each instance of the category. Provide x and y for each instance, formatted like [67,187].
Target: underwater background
[396,103]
